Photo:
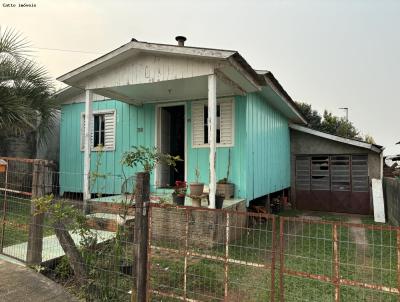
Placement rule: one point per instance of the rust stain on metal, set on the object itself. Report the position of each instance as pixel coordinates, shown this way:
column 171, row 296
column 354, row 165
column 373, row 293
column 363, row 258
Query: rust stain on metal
column 336, row 275
column 273, row 261
column 398, row 259
column 186, row 255
column 149, row 233
column 282, row 260
column 345, row 224
column 210, row 257
column 226, row 258
column 370, row 286
column 308, row 275
column 3, row 222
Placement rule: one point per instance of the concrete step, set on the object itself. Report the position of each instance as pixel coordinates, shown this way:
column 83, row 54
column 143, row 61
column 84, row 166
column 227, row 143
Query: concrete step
column 108, row 221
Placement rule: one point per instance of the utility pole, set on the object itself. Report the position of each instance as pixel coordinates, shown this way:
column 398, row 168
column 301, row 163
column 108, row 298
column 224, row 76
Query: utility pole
column 347, row 112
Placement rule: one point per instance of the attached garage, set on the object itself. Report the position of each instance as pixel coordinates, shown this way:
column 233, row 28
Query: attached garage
column 331, row 173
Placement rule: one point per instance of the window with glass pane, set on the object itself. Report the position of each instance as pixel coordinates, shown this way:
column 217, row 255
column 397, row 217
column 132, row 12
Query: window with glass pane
column 206, row 124
column 98, row 139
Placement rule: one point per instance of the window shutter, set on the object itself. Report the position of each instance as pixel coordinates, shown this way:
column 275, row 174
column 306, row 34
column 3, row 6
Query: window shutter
column 226, row 123
column 109, row 128
column 197, row 124
column 83, row 132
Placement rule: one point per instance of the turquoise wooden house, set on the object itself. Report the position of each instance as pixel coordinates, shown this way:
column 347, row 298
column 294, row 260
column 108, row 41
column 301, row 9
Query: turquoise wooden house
column 207, row 105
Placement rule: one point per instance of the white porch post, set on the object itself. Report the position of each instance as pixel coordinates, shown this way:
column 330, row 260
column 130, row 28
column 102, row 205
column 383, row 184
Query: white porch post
column 212, row 133
column 87, row 150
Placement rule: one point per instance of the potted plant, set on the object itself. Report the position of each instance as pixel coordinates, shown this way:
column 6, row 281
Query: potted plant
column 196, row 188
column 219, row 200
column 224, row 187
column 179, row 194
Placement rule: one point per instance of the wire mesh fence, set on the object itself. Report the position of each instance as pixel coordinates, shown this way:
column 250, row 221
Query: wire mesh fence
column 210, row 255
column 194, row 253
column 338, row 261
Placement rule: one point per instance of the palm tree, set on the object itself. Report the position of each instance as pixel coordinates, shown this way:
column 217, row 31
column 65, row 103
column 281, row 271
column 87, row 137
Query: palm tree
column 26, row 103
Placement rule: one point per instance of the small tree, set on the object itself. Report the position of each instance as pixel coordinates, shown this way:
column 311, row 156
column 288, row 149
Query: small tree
column 26, row 102
column 147, row 158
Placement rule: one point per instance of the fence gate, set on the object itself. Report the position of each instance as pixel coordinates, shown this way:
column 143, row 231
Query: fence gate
column 199, row 254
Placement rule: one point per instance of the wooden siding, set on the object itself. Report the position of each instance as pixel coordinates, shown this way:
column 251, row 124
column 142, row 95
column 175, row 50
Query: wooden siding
column 199, row 157
column 134, row 126
column 267, row 148
column 146, row 68
column 128, row 119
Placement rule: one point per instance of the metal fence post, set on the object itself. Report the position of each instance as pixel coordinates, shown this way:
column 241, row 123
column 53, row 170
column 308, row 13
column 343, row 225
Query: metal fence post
column 226, row 288
column 3, row 218
column 35, row 239
column 336, row 274
column 281, row 258
column 273, row 243
column 142, row 197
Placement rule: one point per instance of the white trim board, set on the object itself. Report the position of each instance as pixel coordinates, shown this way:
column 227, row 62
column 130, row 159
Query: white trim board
column 378, row 202
column 336, row 138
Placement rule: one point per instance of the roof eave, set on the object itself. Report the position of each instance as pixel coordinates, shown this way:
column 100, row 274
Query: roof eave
column 277, row 87
column 107, row 59
column 356, row 143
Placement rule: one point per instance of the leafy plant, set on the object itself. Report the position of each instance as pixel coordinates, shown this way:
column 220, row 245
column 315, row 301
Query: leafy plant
column 180, row 188
column 26, row 91
column 148, row 158
column 97, row 175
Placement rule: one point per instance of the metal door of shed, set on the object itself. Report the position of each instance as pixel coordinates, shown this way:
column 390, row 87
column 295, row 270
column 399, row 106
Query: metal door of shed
column 333, row 183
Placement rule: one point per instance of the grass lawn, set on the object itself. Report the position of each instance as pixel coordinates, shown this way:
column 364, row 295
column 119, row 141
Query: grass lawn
column 308, row 249
column 17, row 220
column 365, row 255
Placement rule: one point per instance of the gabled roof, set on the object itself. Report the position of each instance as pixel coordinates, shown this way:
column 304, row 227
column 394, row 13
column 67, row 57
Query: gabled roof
column 353, row 142
column 257, row 80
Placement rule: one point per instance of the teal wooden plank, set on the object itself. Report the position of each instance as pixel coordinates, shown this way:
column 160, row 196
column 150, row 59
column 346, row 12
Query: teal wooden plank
column 268, row 152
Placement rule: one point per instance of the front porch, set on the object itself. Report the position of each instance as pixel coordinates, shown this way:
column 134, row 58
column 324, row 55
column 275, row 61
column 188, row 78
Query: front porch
column 164, row 196
column 161, row 78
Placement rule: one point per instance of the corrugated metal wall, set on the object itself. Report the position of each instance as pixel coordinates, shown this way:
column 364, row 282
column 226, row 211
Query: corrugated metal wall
column 268, row 148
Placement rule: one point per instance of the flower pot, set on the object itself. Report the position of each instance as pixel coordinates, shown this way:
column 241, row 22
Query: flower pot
column 219, row 201
column 178, row 199
column 226, row 189
column 196, row 202
column 196, row 189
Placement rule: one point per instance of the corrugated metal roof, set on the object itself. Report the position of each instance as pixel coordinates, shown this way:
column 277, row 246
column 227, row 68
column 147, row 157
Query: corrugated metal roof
column 373, row 147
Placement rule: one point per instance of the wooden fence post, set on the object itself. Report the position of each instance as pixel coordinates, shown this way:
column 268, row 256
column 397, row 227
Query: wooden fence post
column 35, row 239
column 142, row 197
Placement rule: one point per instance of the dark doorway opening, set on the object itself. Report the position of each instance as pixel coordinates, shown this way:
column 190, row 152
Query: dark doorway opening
column 172, row 141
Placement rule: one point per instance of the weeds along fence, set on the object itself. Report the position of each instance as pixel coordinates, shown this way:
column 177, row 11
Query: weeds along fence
column 125, row 246
column 391, row 191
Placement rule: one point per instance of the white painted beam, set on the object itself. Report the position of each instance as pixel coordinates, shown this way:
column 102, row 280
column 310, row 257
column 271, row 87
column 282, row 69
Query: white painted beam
column 87, row 150
column 212, row 134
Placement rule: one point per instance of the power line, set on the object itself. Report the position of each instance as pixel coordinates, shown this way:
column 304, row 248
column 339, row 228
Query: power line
column 68, row 50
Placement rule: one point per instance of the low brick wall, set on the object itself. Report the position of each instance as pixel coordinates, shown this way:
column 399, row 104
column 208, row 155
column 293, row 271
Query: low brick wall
column 205, row 229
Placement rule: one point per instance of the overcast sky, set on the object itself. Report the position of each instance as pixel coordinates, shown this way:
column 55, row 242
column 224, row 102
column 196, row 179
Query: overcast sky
column 328, row 53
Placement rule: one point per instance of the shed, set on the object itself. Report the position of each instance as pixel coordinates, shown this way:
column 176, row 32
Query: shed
column 332, row 173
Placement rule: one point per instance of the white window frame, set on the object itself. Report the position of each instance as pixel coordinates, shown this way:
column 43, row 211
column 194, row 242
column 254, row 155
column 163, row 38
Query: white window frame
column 219, row 145
column 82, row 130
